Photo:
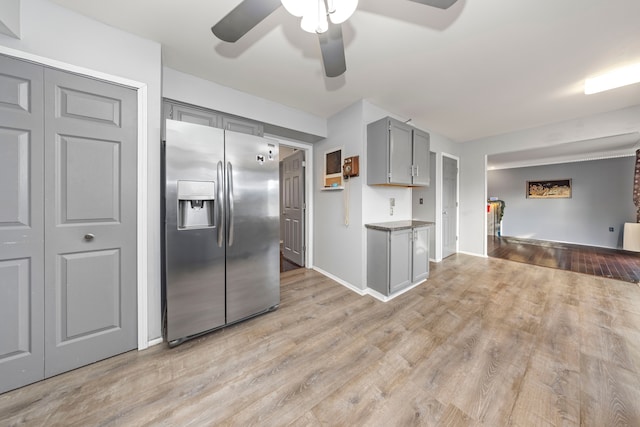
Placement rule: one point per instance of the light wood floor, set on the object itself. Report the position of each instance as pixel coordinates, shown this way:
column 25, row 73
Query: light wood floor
column 483, row 342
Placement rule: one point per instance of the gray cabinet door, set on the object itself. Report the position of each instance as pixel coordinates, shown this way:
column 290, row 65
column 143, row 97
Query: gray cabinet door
column 21, row 224
column 399, row 260
column 90, row 222
column 420, row 158
column 400, row 153
column 293, row 207
column 237, row 124
column 198, row 116
column 420, row 255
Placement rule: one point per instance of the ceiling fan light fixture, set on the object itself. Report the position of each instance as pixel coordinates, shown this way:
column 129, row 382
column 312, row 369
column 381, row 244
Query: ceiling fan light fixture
column 297, row 7
column 341, row 10
column 314, row 13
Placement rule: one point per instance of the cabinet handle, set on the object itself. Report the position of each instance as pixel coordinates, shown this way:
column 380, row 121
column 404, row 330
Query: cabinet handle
column 89, row 236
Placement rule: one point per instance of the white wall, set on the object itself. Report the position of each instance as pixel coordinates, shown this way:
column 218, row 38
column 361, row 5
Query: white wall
column 341, row 250
column 338, row 246
column 193, row 90
column 473, row 162
column 52, row 32
column 10, row 18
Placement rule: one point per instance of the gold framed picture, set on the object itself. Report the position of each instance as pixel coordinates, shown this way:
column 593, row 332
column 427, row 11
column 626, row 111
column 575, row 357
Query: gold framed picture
column 549, row 189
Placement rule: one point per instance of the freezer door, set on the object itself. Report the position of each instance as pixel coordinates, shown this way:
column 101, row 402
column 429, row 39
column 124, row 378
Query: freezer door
column 253, row 225
column 194, row 229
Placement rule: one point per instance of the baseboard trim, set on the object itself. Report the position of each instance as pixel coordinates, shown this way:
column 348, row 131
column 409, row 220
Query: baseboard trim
column 367, row 291
column 473, row 254
column 155, row 341
column 346, row 284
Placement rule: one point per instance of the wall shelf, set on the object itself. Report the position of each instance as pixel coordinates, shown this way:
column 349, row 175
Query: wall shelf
column 332, row 188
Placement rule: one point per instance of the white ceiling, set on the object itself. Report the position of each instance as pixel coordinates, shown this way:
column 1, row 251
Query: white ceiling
column 480, row 68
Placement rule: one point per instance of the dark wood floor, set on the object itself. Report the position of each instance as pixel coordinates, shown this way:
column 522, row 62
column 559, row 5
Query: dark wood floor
column 286, row 265
column 484, row 342
column 601, row 262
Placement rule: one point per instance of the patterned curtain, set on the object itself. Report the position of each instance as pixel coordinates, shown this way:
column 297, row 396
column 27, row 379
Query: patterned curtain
column 636, row 186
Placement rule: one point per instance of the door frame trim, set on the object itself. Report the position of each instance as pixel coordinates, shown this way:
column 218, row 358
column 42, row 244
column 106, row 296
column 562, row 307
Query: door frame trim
column 142, row 174
column 439, row 212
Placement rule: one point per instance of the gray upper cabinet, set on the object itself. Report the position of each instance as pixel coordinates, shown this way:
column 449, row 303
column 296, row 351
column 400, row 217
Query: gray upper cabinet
column 397, row 154
column 237, row 124
column 198, row 116
column 201, row 116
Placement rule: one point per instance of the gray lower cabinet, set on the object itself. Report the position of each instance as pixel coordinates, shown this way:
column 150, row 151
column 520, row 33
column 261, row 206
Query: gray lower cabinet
column 397, row 259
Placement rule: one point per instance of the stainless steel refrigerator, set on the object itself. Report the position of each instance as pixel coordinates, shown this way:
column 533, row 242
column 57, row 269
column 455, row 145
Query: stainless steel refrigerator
column 221, row 252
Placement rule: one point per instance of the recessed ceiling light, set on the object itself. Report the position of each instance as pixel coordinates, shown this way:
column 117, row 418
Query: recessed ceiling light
column 617, row 78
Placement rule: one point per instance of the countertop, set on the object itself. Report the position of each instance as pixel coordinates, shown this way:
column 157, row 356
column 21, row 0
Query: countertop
column 399, row 225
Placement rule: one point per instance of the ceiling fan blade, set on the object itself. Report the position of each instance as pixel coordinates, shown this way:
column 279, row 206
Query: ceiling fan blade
column 243, row 18
column 441, row 4
column 332, row 48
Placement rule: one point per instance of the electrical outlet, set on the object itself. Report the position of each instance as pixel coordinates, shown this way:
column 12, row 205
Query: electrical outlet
column 392, row 203
column 611, row 229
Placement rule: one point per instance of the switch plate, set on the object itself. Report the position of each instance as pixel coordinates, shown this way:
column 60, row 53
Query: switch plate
column 421, row 200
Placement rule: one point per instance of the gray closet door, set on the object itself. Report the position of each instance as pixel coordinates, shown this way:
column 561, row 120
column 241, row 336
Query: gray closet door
column 21, row 224
column 90, row 222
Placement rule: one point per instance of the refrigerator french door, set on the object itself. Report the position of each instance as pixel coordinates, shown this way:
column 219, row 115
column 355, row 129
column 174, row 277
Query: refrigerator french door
column 221, row 228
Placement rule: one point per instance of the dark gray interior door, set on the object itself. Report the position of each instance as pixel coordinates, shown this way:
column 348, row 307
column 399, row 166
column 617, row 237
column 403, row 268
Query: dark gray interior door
column 90, row 221
column 21, row 224
column 293, row 207
column 449, row 206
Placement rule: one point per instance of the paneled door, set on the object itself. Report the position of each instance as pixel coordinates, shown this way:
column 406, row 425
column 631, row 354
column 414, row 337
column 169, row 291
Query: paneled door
column 21, row 224
column 449, row 206
column 90, row 223
column 293, row 207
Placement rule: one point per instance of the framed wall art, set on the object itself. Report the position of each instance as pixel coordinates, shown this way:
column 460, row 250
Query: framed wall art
column 549, row 189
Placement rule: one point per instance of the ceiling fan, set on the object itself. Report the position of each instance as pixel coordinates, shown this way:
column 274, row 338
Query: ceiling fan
column 323, row 17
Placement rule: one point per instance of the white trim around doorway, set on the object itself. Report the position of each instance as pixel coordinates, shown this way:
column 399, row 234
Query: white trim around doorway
column 308, row 178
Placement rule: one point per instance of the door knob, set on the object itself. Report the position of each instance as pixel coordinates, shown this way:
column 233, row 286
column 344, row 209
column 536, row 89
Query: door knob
column 89, row 236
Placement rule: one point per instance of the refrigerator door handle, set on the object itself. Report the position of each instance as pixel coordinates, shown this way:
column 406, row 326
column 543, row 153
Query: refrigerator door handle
column 230, row 201
column 220, row 202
